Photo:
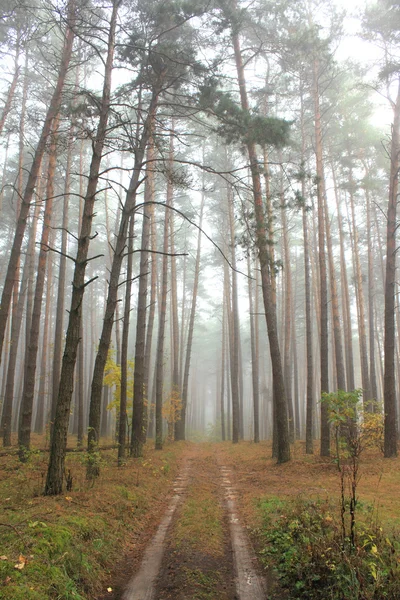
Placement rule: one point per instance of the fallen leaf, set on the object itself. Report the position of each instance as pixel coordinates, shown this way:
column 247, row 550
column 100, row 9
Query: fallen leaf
column 3, row 557
column 68, row 498
column 109, row 589
column 21, row 563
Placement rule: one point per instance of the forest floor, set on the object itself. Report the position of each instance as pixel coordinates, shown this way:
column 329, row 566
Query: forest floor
column 90, row 542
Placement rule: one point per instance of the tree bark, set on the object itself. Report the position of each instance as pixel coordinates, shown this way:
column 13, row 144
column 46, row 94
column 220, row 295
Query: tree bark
column 25, row 420
column 34, row 172
column 283, row 450
column 389, row 391
column 55, row 473
column 324, row 352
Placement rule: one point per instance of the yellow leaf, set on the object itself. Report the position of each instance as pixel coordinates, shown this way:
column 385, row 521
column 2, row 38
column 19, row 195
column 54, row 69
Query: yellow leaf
column 21, row 563
column 68, row 498
column 109, row 589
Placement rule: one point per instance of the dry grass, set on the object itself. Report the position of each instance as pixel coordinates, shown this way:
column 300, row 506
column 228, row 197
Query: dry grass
column 258, row 476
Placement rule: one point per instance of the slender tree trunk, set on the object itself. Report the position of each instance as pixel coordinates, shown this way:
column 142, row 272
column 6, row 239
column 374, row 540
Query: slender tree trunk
column 43, row 378
column 222, row 381
column 139, row 374
column 347, row 327
column 55, row 473
column 185, row 386
column 324, row 352
column 361, row 305
column 287, row 320
column 122, row 421
column 59, row 322
column 12, row 88
column 283, row 450
column 34, row 172
column 234, row 348
column 254, row 359
column 161, row 337
column 337, row 333
column 25, row 420
column 15, row 335
column 389, row 392
column 371, row 293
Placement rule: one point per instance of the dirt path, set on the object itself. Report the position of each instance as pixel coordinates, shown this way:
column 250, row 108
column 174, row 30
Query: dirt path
column 200, row 550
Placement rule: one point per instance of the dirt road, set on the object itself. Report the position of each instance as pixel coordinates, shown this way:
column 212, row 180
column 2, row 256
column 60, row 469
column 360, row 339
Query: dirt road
column 200, row 550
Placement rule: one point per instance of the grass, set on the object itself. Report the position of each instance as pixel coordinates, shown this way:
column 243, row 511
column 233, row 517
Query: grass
column 66, row 547
column 293, row 511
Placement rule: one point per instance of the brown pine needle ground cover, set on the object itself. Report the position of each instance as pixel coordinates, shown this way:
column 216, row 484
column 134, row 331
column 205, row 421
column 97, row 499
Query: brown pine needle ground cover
column 294, row 514
column 68, row 547
column 310, row 476
column 198, row 557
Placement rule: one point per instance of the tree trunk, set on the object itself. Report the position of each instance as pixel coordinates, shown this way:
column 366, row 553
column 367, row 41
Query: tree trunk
column 254, row 359
column 283, row 450
column 234, row 347
column 389, row 392
column 361, row 305
column 13, row 85
column 139, row 374
column 324, row 352
column 337, row 330
column 347, row 322
column 15, row 334
column 122, row 421
column 34, row 172
column 25, row 420
column 185, row 386
column 59, row 320
column 55, row 473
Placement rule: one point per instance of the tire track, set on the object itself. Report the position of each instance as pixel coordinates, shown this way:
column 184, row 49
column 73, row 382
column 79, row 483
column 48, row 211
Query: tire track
column 142, row 584
column 249, row 585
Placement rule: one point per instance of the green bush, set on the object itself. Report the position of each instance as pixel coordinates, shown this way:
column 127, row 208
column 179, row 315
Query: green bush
column 303, row 544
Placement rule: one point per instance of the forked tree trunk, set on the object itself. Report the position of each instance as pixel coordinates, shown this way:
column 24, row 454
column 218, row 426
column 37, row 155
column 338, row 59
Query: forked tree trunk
column 185, row 386
column 55, row 473
column 283, row 449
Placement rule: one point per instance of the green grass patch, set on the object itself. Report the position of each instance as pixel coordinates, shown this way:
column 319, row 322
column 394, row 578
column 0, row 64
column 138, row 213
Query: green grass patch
column 205, row 585
column 66, row 547
column 200, row 521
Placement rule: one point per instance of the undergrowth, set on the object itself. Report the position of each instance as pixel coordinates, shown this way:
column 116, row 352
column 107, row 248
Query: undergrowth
column 67, row 547
column 302, row 543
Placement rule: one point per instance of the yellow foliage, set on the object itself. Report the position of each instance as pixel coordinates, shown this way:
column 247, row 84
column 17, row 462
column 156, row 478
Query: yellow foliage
column 171, row 410
column 372, row 429
column 112, row 379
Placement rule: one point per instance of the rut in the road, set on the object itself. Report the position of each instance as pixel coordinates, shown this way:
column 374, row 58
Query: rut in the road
column 200, row 549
